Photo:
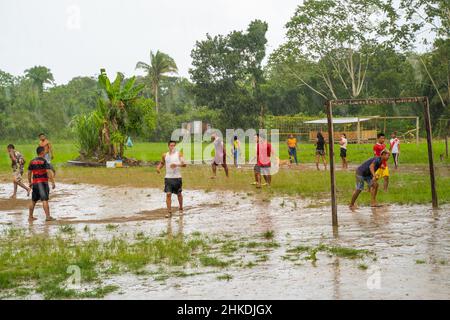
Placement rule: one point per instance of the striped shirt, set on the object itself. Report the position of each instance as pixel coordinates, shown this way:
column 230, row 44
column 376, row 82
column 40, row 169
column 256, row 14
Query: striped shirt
column 39, row 166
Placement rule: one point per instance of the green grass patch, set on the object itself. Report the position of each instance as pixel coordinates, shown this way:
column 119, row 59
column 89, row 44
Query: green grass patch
column 44, row 261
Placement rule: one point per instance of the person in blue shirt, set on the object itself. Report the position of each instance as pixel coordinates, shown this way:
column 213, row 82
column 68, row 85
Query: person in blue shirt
column 366, row 173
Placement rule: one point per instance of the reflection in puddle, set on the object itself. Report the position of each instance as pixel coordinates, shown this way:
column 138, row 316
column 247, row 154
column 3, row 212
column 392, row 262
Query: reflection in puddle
column 399, row 235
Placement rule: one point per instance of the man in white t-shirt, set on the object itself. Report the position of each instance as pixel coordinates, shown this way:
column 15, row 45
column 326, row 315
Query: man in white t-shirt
column 343, row 142
column 395, row 148
column 173, row 161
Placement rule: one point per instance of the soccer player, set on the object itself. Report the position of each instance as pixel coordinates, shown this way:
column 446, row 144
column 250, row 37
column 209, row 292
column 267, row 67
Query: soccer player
column 263, row 153
column 173, row 183
column 320, row 150
column 292, row 148
column 383, row 171
column 343, row 142
column 17, row 164
column 366, row 172
column 395, row 148
column 41, row 172
column 220, row 156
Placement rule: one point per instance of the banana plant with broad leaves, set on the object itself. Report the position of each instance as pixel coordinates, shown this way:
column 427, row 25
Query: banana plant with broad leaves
column 118, row 98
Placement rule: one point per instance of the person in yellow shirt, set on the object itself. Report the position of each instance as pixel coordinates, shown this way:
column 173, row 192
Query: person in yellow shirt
column 292, row 148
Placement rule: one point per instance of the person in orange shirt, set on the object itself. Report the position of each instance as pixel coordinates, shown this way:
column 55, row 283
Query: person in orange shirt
column 292, row 148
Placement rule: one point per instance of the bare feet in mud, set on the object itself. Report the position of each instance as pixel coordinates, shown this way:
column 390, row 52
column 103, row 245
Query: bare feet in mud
column 50, row 218
column 353, row 207
column 31, row 219
column 169, row 214
column 13, row 197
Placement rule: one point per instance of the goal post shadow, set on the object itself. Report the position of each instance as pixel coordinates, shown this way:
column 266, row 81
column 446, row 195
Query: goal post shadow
column 329, row 104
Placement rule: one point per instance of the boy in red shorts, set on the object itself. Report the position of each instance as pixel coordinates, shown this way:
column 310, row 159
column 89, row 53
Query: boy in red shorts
column 383, row 171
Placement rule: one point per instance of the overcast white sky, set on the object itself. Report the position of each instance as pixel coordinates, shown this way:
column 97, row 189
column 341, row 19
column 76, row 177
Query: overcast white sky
column 78, row 37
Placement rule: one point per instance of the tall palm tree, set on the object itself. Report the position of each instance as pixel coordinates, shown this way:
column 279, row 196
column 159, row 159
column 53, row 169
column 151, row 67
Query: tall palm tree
column 40, row 75
column 160, row 64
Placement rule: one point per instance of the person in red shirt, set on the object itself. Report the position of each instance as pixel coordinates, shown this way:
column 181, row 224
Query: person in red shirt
column 383, row 171
column 263, row 153
column 39, row 174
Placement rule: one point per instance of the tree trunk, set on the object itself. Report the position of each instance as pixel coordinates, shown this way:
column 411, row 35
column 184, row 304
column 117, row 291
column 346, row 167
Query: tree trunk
column 156, row 98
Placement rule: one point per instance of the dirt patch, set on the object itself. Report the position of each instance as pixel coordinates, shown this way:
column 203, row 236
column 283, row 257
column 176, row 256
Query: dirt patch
column 13, row 204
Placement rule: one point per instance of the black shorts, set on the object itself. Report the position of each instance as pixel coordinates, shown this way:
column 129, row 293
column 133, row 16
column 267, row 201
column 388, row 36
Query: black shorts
column 343, row 153
column 320, row 152
column 173, row 185
column 41, row 191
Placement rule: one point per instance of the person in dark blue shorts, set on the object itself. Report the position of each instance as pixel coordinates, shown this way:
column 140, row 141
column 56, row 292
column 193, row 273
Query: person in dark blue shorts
column 366, row 173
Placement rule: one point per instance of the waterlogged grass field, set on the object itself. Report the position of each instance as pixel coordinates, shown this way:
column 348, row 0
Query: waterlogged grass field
column 37, row 265
column 152, row 151
column 45, row 260
column 408, row 185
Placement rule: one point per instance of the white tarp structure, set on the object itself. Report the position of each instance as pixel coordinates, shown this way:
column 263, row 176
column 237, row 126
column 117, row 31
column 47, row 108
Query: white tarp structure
column 339, row 120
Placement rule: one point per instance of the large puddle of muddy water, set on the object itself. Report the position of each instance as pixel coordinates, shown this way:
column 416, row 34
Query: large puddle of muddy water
column 411, row 243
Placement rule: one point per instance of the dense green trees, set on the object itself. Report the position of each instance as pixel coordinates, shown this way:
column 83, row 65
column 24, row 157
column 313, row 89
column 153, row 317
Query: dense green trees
column 333, row 49
column 227, row 72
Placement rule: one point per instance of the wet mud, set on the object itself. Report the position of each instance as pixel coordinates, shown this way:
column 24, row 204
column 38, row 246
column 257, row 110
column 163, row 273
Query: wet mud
column 411, row 243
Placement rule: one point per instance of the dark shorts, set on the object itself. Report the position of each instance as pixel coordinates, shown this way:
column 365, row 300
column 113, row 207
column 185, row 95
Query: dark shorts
column 264, row 170
column 173, row 185
column 320, row 152
column 343, row 153
column 41, row 191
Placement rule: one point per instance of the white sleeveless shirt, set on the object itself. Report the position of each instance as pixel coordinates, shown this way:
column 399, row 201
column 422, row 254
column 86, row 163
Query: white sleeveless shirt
column 173, row 173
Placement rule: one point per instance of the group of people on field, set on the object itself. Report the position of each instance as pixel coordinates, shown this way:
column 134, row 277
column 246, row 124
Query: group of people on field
column 40, row 172
column 369, row 172
column 173, row 160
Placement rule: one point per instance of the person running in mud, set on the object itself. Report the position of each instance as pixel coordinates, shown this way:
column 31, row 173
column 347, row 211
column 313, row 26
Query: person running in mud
column 173, row 183
column 394, row 148
column 366, row 172
column 17, row 164
column 41, row 172
column 383, row 171
column 236, row 149
column 220, row 156
column 343, row 143
column 292, row 148
column 320, row 150
column 263, row 153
